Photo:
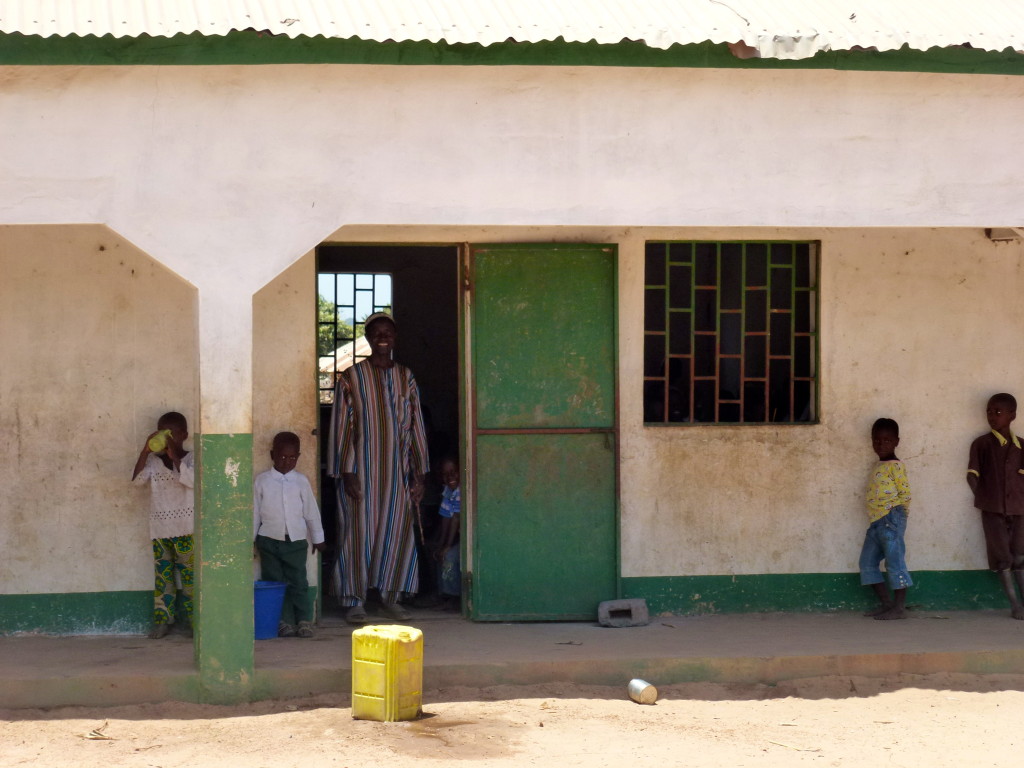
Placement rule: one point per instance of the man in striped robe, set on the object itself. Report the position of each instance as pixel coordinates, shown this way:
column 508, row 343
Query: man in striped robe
column 378, row 448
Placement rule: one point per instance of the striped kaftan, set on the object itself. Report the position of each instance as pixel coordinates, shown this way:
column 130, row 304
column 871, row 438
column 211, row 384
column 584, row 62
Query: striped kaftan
column 376, row 433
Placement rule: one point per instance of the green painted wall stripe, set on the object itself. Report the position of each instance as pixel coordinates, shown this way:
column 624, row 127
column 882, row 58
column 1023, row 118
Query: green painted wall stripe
column 225, row 638
column 77, row 613
column 932, row 590
column 81, row 613
column 128, row 612
column 249, row 47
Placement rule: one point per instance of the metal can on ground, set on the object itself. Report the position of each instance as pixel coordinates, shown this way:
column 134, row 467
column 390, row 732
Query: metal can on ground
column 642, row 692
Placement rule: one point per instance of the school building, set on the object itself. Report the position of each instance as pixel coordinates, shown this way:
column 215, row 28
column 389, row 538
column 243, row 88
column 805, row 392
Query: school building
column 657, row 269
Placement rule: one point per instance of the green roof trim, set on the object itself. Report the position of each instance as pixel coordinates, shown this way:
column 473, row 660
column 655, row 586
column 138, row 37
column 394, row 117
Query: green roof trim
column 251, row 47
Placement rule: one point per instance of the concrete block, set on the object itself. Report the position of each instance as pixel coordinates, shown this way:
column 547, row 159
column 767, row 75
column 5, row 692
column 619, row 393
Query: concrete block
column 623, row 613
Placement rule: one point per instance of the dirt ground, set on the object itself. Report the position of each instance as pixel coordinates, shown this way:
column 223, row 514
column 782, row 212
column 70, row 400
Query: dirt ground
column 937, row 720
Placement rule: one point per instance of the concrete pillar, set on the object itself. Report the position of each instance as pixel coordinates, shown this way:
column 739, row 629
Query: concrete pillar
column 224, row 633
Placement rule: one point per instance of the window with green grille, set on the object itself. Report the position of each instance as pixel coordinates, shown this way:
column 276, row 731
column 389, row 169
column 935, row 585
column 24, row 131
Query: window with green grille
column 344, row 300
column 730, row 332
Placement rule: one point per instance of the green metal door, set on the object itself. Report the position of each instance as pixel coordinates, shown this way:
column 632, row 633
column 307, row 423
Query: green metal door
column 544, row 528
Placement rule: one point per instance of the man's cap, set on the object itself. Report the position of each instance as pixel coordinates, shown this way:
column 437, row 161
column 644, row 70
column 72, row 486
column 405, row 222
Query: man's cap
column 374, row 318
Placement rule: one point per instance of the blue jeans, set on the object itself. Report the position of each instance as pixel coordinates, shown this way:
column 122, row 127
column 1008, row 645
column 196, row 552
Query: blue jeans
column 450, row 578
column 884, row 541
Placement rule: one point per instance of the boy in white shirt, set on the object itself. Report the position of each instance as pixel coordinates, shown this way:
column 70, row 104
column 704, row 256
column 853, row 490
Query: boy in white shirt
column 170, row 472
column 285, row 512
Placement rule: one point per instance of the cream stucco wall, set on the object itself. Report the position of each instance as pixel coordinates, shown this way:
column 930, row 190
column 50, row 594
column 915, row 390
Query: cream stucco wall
column 284, row 370
column 916, row 324
column 920, row 325
column 96, row 341
column 229, row 176
column 284, row 364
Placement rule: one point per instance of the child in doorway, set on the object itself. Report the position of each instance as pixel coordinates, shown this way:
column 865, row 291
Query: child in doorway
column 170, row 471
column 446, row 550
column 996, row 477
column 888, row 505
column 285, row 512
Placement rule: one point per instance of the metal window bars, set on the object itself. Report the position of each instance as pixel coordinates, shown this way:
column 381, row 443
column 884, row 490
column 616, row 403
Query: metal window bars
column 730, row 332
column 343, row 297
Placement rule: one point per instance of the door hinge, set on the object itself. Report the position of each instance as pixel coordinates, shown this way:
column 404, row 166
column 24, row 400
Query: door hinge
column 467, row 278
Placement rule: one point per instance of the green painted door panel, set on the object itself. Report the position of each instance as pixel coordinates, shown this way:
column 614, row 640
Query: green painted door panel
column 542, row 335
column 545, row 510
column 545, row 517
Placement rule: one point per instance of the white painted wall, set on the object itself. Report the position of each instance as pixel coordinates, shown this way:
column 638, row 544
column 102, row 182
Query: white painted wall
column 229, row 175
column 96, row 341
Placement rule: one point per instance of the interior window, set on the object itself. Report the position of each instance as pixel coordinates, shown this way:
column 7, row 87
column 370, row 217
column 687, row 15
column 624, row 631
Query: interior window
column 344, row 300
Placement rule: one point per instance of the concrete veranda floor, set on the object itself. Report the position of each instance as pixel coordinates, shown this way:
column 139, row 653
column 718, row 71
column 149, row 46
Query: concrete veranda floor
column 44, row 671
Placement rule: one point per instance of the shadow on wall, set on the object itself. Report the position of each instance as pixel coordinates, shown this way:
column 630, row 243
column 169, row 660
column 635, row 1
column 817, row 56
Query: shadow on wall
column 98, row 339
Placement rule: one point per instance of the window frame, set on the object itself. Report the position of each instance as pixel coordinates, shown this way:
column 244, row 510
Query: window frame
column 327, row 372
column 678, row 343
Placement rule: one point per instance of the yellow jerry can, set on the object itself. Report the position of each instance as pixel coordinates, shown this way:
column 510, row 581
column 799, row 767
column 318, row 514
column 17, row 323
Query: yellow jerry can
column 387, row 673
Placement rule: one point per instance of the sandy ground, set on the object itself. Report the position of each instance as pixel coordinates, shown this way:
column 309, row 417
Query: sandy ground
column 938, row 720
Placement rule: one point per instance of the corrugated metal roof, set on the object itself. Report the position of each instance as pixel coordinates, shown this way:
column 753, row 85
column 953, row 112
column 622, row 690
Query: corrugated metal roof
column 784, row 29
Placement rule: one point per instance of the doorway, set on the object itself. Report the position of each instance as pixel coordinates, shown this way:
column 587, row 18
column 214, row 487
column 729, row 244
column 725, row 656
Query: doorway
column 418, row 285
column 540, row 449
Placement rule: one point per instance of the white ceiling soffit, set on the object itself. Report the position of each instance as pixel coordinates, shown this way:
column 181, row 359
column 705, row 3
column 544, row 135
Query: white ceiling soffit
column 781, row 29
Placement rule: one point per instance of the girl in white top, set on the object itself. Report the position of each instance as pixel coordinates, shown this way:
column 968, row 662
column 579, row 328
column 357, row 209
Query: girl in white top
column 170, row 473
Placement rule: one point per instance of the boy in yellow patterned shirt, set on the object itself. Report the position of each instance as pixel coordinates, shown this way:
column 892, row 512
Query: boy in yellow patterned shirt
column 888, row 505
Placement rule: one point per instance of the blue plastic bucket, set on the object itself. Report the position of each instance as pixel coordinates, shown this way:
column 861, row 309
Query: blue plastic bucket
column 268, row 597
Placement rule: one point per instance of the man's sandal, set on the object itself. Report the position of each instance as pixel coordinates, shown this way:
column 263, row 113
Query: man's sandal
column 356, row 615
column 396, row 612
